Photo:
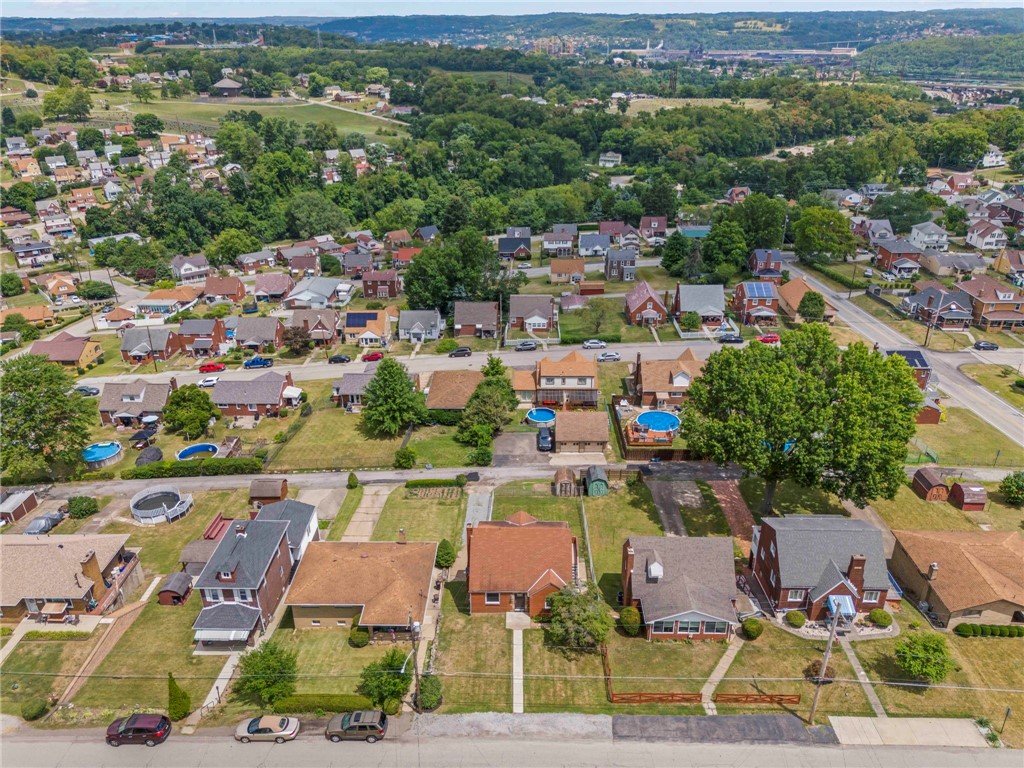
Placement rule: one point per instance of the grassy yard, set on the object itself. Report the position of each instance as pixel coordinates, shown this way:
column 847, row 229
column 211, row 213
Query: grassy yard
column 534, row 497
column 940, row 341
column 327, row 663
column 348, row 508
column 40, row 668
column 708, row 520
column 474, row 656
column 659, row 279
column 556, row 681
column 27, row 299
column 965, row 439
column 422, row 519
column 333, row 439
column 574, row 325
column 611, row 379
column 790, row 499
column 437, row 446
column 998, row 379
column 909, row 511
column 660, row 667
column 653, row 105
column 980, row 663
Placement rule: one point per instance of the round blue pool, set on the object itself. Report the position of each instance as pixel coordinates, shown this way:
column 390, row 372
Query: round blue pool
column 98, row 455
column 197, row 451
column 658, row 421
column 540, row 417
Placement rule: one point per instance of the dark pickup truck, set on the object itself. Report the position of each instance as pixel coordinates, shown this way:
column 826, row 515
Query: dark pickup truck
column 258, row 362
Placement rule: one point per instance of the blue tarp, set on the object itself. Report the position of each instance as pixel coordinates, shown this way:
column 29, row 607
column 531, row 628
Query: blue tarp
column 841, row 604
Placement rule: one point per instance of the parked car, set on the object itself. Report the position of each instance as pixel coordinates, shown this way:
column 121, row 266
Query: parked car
column 609, row 357
column 730, row 338
column 523, row 265
column 208, row 382
column 139, row 729
column 267, row 728
column 76, row 300
column 370, row 725
column 869, row 272
column 986, row 346
column 595, row 344
column 526, row 346
column 370, row 357
column 45, row 523
column 889, row 277
column 460, row 352
column 211, row 367
column 87, row 391
column 107, row 309
column 338, row 359
column 258, row 362
column 768, row 338
column 545, row 442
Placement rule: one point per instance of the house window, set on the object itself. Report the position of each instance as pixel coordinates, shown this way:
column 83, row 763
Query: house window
column 716, row 627
column 314, row 622
column 243, row 595
column 280, row 571
column 341, row 623
column 492, row 598
column 213, row 595
column 970, row 614
column 771, row 578
column 581, row 382
column 663, row 627
column 225, row 574
column 549, row 380
column 689, row 627
column 252, row 408
column 547, row 603
column 797, row 595
column 771, row 548
column 872, row 595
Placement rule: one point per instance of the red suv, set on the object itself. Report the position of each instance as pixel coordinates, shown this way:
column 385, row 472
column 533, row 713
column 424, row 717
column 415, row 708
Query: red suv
column 769, row 338
column 139, row 729
column 369, row 357
column 211, row 367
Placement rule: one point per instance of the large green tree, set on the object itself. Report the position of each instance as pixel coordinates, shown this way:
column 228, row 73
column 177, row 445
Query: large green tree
column 763, row 220
column 806, row 413
column 492, row 404
column 189, row 410
column 580, row 619
column 147, row 125
column 44, row 428
column 391, row 403
column 823, row 234
column 229, row 245
column 11, row 285
column 812, row 306
column 925, row 657
column 725, row 244
column 387, row 678
column 310, row 213
column 266, row 674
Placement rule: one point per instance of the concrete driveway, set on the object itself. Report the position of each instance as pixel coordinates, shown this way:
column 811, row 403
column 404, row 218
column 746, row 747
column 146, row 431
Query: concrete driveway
column 516, row 449
column 326, row 500
column 366, row 516
column 669, row 495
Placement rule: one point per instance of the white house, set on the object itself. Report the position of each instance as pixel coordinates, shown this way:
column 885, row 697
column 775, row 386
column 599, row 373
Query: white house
column 929, row 235
column 609, row 159
column 418, row 325
column 986, row 236
column 993, row 158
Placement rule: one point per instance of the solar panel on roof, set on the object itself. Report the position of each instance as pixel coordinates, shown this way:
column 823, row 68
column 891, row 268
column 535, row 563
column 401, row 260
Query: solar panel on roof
column 359, row 319
column 758, row 290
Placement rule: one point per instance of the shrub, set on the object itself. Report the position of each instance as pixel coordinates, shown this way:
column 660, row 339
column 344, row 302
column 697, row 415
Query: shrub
column 813, row 671
column 359, row 637
column 306, row 410
column 375, row 305
column 352, row 482
column 1004, row 631
column 444, row 346
column 986, row 630
column 391, row 707
column 1012, row 487
column 446, row 554
column 964, row 630
column 33, row 709
column 481, row 456
column 461, row 480
column 405, row 458
column 752, row 628
column 431, row 482
column 179, row 703
column 194, row 468
column 301, row 703
column 283, row 413
column 81, row 371
column 444, row 418
column 80, row 507
column 430, row 692
column 844, row 280
column 880, row 617
column 629, row 617
column 796, row 619
column 60, row 635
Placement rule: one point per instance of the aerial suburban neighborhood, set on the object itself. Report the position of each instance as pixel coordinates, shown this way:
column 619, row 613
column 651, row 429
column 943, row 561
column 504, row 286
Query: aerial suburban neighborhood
column 449, row 386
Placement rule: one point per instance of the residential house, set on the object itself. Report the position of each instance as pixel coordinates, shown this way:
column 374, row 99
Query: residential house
column 1014, row 210
column 68, row 349
column 33, row 253
column 609, row 159
column 792, row 293
column 918, row 363
column 993, row 157
column 665, row 383
column 226, row 87
column 736, row 195
column 756, row 303
column 986, row 236
column 94, row 241
column 567, row 383
column 935, row 305
column 35, row 315
column 19, row 235
column 891, row 252
column 705, row 301
column 14, row 505
column 766, row 264
column 250, row 263
column 62, row 177
column 13, row 217
column 272, row 286
column 243, row 583
column 147, row 343
column 451, row 390
column 318, row 293
column 419, row 325
column 322, row 324
column 99, row 172
column 356, row 262
column 348, row 391
column 79, row 573
column 1011, row 264
column 519, row 232
column 654, row 227
column 263, row 396
column 59, row 285
column 203, row 337
column 683, row 586
column 962, row 576
column 961, row 182
column 25, row 168
column 581, row 431
column 371, row 328
column 403, row 257
column 223, row 289
column 127, row 404
column 382, row 284
column 518, row 563
column 397, row 238
column 994, row 305
column 629, row 237
column 82, row 199
column 49, row 207
column 800, row 561
column 956, row 264
column 844, row 198
column 190, row 269
column 533, row 314
column 555, row 244
column 592, row 244
column 611, row 228
column 928, row 234
column 644, row 307
column 871, row 192
column 382, row 586
column 169, row 301
column 426, row 234
column 572, row 230
column 476, row 318
column 565, row 271
column 59, row 225
column 620, row 264
column 258, row 333
column 303, row 524
column 514, row 248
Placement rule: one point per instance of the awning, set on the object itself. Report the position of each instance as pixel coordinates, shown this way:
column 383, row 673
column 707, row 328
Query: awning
column 841, row 604
column 202, row 344
column 291, row 393
column 54, row 609
column 223, row 636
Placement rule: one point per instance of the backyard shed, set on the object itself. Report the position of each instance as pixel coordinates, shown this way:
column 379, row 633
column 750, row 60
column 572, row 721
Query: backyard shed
column 176, row 589
column 970, row 497
column 564, row 483
column 267, row 490
column 596, row 480
column 929, row 485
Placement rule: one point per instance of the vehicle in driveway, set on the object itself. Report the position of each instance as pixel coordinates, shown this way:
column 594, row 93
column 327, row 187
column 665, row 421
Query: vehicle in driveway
column 267, row 728
column 338, row 359
column 370, row 357
column 45, row 523
column 595, row 344
column 258, row 362
column 76, row 300
column 730, row 338
column 107, row 309
column 524, row 265
column 768, row 338
column 526, row 346
column 370, row 725
column 986, row 346
column 212, row 367
column 461, row 352
column 208, row 382
column 139, row 729
column 609, row 357
column 869, row 272
column 87, row 391
column 545, row 442
column 889, row 277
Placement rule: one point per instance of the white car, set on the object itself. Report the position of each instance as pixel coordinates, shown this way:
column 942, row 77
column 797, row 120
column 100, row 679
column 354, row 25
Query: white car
column 889, row 277
column 524, row 265
column 609, row 357
column 869, row 273
column 209, row 381
column 76, row 300
column 594, row 344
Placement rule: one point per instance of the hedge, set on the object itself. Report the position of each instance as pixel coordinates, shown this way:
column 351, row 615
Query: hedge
column 430, row 692
column 64, row 634
column 433, row 482
column 444, row 418
column 33, row 709
column 988, row 630
column 880, row 617
column 303, row 703
column 796, row 619
column 571, row 337
column 844, row 280
column 193, row 468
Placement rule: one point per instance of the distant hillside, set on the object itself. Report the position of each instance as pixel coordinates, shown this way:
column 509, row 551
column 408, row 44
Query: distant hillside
column 999, row 56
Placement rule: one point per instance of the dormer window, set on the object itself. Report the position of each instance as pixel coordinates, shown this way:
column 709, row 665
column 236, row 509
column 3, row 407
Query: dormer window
column 225, row 575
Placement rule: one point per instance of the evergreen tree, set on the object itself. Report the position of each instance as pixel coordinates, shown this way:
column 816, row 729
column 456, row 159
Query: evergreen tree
column 179, row 703
column 391, row 403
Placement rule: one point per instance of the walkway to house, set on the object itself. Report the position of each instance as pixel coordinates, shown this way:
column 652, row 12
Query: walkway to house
column 517, row 622
column 657, row 338
column 721, row 668
column 869, row 690
column 360, row 527
column 736, row 511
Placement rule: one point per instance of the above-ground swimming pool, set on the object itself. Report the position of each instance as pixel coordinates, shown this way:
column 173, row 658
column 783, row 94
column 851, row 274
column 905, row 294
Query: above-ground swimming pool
column 160, row 504
column 658, row 421
column 540, row 417
column 104, row 454
column 197, row 451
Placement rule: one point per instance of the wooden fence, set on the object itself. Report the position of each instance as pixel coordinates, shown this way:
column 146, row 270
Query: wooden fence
column 756, row 698
column 645, row 453
column 655, row 698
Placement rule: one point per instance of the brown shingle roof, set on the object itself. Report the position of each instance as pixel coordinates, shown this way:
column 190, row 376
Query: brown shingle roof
column 222, row 286
column 62, row 348
column 523, row 381
column 389, row 580
column 31, row 314
column 573, row 364
column 567, row 266
column 51, row 565
column 581, row 426
column 657, row 375
column 451, row 390
column 520, row 554
column 482, row 313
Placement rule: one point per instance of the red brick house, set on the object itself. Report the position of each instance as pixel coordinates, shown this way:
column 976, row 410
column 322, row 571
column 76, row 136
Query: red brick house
column 644, row 307
column 994, row 305
column 736, row 195
column 476, row 318
column 800, row 561
column 263, row 396
column 82, row 199
column 918, row 364
column 230, row 288
column 653, row 226
column 611, row 228
column 144, row 344
column 382, row 284
column 891, row 252
column 518, row 563
column 321, row 324
column 766, row 264
column 756, row 303
column 203, row 337
column 403, row 257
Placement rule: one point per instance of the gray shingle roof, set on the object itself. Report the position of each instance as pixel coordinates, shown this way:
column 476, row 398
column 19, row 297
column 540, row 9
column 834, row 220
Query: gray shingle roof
column 427, row 318
column 482, row 313
column 197, row 327
column 227, row 616
column 810, row 545
column 295, row 513
column 256, row 330
column 352, row 383
column 137, row 340
column 263, row 390
column 178, row 582
column 154, row 397
column 595, row 241
column 246, row 556
column 701, row 298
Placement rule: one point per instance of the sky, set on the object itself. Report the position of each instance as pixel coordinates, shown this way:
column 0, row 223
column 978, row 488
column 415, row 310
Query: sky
column 247, row 8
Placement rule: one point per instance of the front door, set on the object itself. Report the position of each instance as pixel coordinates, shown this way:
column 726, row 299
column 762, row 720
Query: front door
column 520, row 602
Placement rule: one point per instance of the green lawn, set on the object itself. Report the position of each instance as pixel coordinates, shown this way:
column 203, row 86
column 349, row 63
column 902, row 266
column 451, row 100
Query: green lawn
column 27, row 299
column 909, row 511
column 708, row 520
column 610, row 379
column 534, row 497
column 41, row 668
column 661, row 666
column 790, row 499
column 112, row 364
column 998, row 379
column 940, row 341
column 348, row 508
column 423, row 519
column 437, row 446
column 574, row 325
column 965, row 439
column 659, row 279
column 333, row 439
column 327, row 663
column 555, row 681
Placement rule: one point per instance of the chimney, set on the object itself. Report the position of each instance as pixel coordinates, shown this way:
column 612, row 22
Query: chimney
column 240, row 531
column 933, row 571
column 91, row 571
column 174, row 384
column 401, row 536
column 855, row 573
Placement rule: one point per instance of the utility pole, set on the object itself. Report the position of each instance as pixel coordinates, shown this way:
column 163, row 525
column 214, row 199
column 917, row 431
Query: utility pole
column 824, row 665
column 414, row 630
column 152, row 352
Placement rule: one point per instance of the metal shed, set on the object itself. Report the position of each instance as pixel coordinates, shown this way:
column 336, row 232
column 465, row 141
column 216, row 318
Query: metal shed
column 596, row 480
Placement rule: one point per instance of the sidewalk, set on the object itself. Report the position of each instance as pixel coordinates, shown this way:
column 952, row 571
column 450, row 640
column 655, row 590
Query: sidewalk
column 360, row 527
column 517, row 622
column 869, row 690
column 720, row 670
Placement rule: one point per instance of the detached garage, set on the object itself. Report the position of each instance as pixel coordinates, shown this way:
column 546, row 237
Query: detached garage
column 581, row 432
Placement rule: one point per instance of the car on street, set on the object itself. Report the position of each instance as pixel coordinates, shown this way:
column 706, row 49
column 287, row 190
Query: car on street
column 595, row 344
column 460, row 352
column 768, row 338
column 258, row 362
column 107, row 309
column 523, row 265
column 139, row 728
column 609, row 357
column 526, row 346
column 208, row 382
column 45, row 523
column 369, row 725
column 76, row 300
column 986, row 346
column 370, row 357
column 338, row 359
column 730, row 338
column 212, row 367
column 267, row 728
column 87, row 391
column 545, row 442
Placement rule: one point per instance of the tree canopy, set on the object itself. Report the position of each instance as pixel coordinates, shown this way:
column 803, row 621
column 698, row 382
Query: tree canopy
column 189, row 410
column 580, row 619
column 823, row 234
column 266, row 674
column 391, row 402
